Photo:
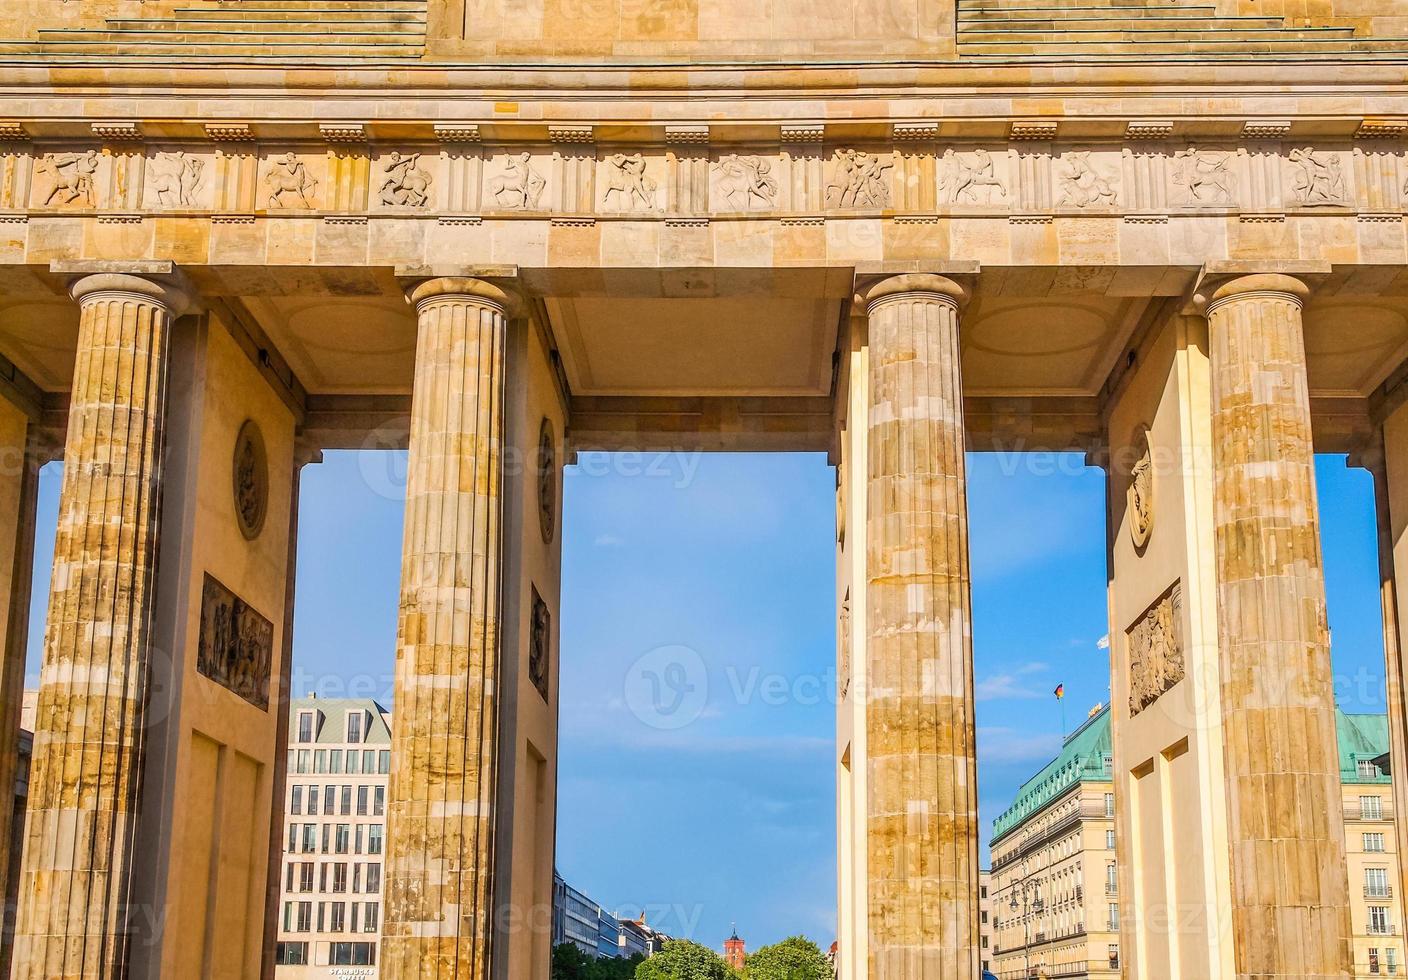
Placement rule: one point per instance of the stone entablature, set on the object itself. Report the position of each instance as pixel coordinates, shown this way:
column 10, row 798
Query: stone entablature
column 456, row 172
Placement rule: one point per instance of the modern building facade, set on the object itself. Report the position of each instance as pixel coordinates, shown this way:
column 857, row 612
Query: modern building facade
column 986, row 936
column 1057, row 843
column 578, row 920
column 334, row 843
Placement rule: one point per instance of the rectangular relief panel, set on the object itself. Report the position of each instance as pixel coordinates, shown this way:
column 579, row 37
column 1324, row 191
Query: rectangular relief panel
column 236, row 644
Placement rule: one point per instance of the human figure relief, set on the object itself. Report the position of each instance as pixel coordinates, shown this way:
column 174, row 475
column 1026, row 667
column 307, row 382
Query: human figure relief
column 745, row 182
column 1081, row 184
column 969, row 182
column 519, row 187
column 290, row 176
column 406, row 183
column 70, row 177
column 627, row 180
column 1317, row 180
column 858, row 181
column 1204, row 175
column 178, row 179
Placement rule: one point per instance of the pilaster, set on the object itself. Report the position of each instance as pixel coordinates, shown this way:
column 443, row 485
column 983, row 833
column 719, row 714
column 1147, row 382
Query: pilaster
column 922, row 790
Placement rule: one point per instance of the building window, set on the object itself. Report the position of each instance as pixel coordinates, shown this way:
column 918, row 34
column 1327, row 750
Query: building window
column 1374, row 843
column 1391, row 959
column 383, row 761
column 1373, row 960
column 327, row 838
column 310, row 838
column 378, row 800
column 347, row 801
column 368, row 761
column 354, row 727
column 304, row 921
column 1367, row 769
column 305, row 877
column 1371, row 808
column 1376, row 883
column 369, row 917
column 1378, row 920
column 337, row 917
column 352, row 758
column 344, row 835
column 295, row 803
column 302, row 765
column 1114, row 917
column 1109, row 804
column 335, row 761
column 320, row 760
column 352, row 954
column 339, row 877
column 329, row 800
column 1110, row 839
column 305, row 727
column 373, row 878
column 291, row 954
column 374, row 839
column 312, row 800
column 362, row 800
column 1114, row 952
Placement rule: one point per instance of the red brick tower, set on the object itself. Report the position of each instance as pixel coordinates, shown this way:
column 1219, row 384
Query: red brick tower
column 734, row 953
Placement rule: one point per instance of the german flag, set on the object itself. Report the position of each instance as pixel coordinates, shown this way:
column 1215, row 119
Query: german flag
column 1060, row 691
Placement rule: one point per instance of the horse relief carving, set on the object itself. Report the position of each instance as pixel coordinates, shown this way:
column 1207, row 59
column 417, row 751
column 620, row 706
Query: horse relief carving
column 68, row 177
column 519, row 187
column 407, row 184
column 745, row 183
column 858, row 180
column 177, row 179
column 289, row 175
column 969, row 180
column 1204, row 175
column 1082, row 185
column 1318, row 178
column 628, row 187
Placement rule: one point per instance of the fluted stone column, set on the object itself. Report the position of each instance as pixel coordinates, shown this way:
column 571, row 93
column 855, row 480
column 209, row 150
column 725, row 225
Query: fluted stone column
column 923, row 802
column 1285, row 824
column 440, row 846
column 88, row 742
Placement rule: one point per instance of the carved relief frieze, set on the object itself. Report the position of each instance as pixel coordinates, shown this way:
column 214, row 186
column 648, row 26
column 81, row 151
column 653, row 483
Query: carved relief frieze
column 236, row 644
column 1156, row 652
column 405, row 182
column 67, row 179
column 518, row 185
column 1085, row 184
column 1204, row 178
column 540, row 644
column 177, row 179
column 970, row 178
column 289, row 183
column 860, row 180
column 626, row 184
column 744, row 183
column 1317, row 177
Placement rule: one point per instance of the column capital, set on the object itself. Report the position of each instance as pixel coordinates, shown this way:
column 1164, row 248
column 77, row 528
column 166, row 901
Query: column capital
column 914, row 285
column 171, row 293
column 1279, row 284
column 462, row 289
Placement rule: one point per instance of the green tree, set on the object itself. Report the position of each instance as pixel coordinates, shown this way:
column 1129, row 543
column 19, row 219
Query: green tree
column 795, row 958
column 615, row 967
column 680, row 959
column 570, row 963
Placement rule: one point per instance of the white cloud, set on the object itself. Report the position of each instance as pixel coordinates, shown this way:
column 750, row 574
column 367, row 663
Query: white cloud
column 1009, row 683
column 607, row 541
column 1103, row 643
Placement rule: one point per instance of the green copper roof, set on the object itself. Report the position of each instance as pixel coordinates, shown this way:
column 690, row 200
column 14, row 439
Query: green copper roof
column 1362, row 738
column 1082, row 759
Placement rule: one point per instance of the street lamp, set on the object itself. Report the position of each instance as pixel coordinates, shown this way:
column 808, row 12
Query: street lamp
column 1031, row 905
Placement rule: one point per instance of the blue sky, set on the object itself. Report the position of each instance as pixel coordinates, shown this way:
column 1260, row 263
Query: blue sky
column 724, row 565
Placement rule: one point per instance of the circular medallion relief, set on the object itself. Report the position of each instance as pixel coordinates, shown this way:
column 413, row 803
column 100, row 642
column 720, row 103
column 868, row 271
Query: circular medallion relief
column 251, row 480
column 1140, row 495
column 547, row 480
